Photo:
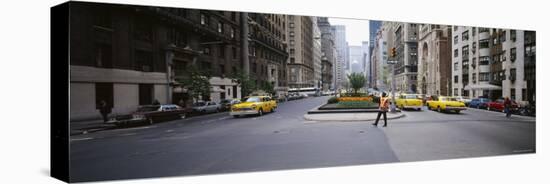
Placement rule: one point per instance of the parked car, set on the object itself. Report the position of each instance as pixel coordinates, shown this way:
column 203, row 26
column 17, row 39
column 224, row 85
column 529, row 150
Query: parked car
column 498, row 105
column 480, row 103
column 226, row 104
column 466, row 101
column 445, row 103
column 408, row 101
column 254, row 105
column 527, row 110
column 151, row 114
column 206, row 107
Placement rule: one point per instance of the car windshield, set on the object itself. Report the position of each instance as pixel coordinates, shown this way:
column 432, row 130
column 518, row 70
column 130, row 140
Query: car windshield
column 411, row 97
column 253, row 99
column 447, row 99
column 199, row 104
column 148, row 109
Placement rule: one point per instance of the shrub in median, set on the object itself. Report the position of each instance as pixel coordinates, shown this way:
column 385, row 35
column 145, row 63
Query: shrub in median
column 332, row 100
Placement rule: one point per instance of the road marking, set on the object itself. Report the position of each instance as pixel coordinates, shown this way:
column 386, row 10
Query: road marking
column 82, row 139
column 167, row 131
column 127, row 134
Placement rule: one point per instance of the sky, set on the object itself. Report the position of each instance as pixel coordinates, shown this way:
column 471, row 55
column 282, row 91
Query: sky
column 356, row 30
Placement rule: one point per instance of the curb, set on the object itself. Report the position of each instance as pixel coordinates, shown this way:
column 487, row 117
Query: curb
column 370, row 119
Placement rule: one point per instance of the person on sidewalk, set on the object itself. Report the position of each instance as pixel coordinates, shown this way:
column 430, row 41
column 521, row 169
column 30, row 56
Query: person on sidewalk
column 507, row 105
column 383, row 108
column 105, row 110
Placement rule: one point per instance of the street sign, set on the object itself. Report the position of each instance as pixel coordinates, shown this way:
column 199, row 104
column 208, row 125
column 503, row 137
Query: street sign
column 392, row 62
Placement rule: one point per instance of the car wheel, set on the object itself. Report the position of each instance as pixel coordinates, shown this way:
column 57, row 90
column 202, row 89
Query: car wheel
column 183, row 116
column 457, row 111
column 150, row 121
column 428, row 106
column 438, row 109
column 488, row 108
column 260, row 112
column 236, row 116
column 217, row 110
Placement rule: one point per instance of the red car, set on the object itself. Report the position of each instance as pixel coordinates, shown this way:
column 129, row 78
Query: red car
column 151, row 114
column 498, row 105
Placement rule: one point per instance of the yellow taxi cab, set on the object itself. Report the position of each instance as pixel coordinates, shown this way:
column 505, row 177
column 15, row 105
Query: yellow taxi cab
column 445, row 103
column 253, row 105
column 408, row 101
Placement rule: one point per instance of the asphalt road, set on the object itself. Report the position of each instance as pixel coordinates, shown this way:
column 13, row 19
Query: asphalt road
column 218, row 143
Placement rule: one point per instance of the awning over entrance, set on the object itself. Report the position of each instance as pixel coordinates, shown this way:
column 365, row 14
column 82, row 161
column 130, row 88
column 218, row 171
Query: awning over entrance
column 482, row 87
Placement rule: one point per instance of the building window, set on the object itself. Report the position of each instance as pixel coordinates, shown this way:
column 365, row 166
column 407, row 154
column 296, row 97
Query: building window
column 523, row 94
column 465, row 53
column 473, row 31
column 222, row 69
column 455, row 28
column 234, row 91
column 513, row 35
column 456, row 53
column 205, row 65
column 456, row 66
column 143, row 60
column 456, row 78
column 455, row 92
column 291, row 24
column 474, row 47
column 178, row 37
column 292, row 42
column 530, row 50
column 512, row 93
column 145, row 94
column 512, row 74
column 292, row 51
column 465, row 93
column 502, row 36
column 292, row 60
column 483, row 30
column 234, row 52
column 474, row 78
column 232, row 33
column 456, row 39
column 513, row 54
column 143, row 31
column 104, row 92
column 221, row 52
column 206, row 50
column 220, row 27
column 465, row 36
column 204, row 19
column 484, row 60
column 233, row 16
column 484, row 43
column 484, row 76
column 291, row 34
column 103, row 55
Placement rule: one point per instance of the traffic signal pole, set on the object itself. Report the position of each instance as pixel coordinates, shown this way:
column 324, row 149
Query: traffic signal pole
column 393, row 53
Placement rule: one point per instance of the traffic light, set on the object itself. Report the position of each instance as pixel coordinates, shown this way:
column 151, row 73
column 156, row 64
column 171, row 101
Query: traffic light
column 393, row 52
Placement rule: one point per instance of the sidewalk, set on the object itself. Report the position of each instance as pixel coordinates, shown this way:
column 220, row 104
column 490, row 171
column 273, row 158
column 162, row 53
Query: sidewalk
column 84, row 127
column 350, row 116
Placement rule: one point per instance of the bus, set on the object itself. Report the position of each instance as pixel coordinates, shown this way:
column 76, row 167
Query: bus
column 308, row 91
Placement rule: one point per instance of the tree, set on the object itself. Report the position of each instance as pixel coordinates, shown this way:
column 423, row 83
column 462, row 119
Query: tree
column 357, row 81
column 243, row 80
column 197, row 83
column 268, row 87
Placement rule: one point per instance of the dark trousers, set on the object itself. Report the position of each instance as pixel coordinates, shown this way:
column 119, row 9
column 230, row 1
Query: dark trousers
column 105, row 115
column 378, row 118
column 508, row 112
